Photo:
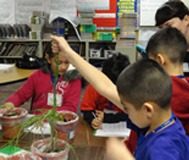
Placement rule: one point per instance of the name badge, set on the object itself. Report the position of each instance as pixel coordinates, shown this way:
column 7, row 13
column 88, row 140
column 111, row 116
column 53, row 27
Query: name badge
column 50, row 100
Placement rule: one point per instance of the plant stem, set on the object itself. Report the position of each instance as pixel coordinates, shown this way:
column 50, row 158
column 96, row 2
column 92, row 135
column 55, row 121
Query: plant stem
column 54, row 104
column 56, row 79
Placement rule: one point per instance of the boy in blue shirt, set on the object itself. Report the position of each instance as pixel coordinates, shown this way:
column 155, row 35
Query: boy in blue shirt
column 143, row 91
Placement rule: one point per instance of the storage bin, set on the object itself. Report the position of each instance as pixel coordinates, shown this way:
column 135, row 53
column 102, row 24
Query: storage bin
column 91, row 28
column 103, row 36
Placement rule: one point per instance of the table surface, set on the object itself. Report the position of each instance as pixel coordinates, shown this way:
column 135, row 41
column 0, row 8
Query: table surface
column 14, row 74
column 86, row 146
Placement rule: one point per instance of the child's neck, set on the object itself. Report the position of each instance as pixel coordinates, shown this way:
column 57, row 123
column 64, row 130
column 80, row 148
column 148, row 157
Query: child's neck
column 159, row 119
column 175, row 70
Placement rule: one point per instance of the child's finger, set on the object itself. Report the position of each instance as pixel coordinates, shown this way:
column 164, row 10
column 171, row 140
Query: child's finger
column 100, row 119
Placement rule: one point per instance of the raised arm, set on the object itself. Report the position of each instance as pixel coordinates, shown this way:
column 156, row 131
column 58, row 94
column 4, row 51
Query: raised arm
column 95, row 77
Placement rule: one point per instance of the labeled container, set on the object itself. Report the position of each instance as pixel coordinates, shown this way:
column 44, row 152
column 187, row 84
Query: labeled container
column 65, row 129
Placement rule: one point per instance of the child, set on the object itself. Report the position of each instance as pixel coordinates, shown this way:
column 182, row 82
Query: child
column 94, row 103
column 144, row 92
column 168, row 47
column 175, row 14
column 40, row 86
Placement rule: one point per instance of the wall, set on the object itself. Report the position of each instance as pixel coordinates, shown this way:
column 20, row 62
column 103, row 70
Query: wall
column 186, row 2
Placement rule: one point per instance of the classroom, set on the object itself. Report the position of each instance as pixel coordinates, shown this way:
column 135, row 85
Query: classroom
column 98, row 80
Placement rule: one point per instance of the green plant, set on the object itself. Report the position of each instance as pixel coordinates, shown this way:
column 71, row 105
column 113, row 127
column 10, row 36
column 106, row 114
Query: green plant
column 38, row 120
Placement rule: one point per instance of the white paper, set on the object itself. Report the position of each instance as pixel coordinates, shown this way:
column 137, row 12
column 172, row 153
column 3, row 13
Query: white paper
column 24, row 9
column 68, row 8
column 45, row 129
column 147, row 11
column 93, row 4
column 7, row 11
column 6, row 67
column 113, row 130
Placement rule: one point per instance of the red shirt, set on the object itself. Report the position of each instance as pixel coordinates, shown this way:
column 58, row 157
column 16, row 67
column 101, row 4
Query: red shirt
column 92, row 100
column 39, row 84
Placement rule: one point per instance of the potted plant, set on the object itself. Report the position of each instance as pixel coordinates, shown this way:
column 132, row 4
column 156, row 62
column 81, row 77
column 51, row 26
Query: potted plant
column 10, row 120
column 51, row 149
column 44, row 147
column 65, row 125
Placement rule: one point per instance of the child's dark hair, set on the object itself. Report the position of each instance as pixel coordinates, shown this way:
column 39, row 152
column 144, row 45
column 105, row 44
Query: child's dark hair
column 168, row 41
column 45, row 66
column 113, row 66
column 145, row 81
column 170, row 10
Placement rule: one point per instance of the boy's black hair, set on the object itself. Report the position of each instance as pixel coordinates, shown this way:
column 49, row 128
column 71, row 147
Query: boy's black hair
column 170, row 10
column 169, row 41
column 145, row 81
column 113, row 66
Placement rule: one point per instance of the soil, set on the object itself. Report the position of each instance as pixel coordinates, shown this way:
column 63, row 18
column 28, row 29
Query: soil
column 11, row 113
column 50, row 150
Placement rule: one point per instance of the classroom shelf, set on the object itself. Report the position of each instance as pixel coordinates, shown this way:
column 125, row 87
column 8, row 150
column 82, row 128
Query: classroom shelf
column 82, row 47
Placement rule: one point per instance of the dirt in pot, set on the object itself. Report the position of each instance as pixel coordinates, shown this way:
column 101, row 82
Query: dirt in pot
column 52, row 147
column 64, row 117
column 11, row 113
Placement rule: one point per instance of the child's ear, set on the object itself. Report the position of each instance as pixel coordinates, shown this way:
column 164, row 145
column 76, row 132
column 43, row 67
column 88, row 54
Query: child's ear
column 161, row 59
column 47, row 58
column 149, row 109
column 186, row 18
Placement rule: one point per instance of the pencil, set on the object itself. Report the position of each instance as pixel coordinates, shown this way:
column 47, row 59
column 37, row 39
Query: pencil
column 94, row 115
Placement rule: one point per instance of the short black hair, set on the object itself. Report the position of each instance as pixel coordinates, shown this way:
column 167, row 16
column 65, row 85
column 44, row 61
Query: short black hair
column 113, row 66
column 145, row 81
column 169, row 41
column 170, row 10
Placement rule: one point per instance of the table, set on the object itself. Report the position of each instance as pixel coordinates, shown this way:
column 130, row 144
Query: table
column 14, row 74
column 92, row 150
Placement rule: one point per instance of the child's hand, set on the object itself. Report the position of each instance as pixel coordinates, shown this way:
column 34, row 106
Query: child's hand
column 60, row 44
column 100, row 114
column 116, row 150
column 96, row 123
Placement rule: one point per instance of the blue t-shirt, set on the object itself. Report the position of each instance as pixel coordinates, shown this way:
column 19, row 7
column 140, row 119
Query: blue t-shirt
column 169, row 144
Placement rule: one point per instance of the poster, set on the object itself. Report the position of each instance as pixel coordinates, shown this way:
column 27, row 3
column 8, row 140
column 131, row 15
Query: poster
column 128, row 6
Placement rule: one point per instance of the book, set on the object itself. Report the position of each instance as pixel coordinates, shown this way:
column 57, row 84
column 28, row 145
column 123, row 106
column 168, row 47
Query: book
column 113, row 130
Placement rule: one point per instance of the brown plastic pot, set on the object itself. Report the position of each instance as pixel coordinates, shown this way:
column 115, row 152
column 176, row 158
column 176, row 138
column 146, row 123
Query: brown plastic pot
column 65, row 130
column 9, row 123
column 39, row 146
column 24, row 156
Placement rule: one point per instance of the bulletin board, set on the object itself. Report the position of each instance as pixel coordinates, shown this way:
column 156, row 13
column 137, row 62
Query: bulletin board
column 128, row 6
